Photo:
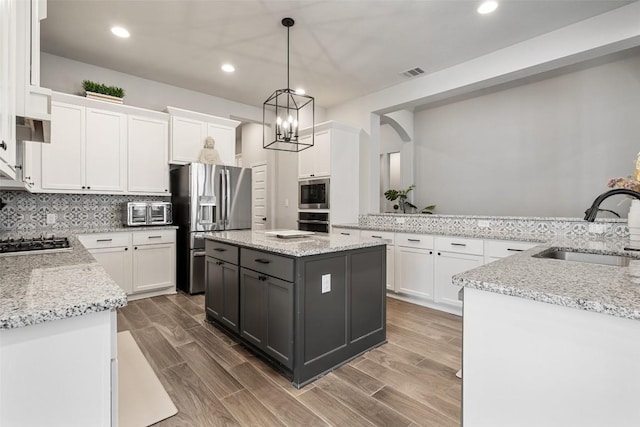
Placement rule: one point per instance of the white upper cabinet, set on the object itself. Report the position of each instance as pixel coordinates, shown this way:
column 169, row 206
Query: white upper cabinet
column 316, row 161
column 190, row 129
column 106, row 151
column 7, row 89
column 148, row 142
column 63, row 161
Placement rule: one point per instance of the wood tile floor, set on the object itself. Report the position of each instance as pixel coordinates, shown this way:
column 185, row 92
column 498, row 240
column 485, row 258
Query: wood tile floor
column 213, row 381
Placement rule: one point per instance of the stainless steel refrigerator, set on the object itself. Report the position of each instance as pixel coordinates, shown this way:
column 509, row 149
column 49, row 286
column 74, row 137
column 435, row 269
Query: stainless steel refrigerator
column 206, row 198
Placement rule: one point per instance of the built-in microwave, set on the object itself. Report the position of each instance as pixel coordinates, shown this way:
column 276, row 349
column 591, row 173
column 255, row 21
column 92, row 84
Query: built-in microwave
column 146, row 213
column 313, row 194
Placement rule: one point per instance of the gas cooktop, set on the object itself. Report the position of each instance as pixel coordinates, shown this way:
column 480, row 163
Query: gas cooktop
column 34, row 245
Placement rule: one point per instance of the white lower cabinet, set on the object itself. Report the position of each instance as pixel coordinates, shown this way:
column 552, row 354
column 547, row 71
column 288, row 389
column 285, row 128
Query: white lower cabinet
column 497, row 249
column 140, row 262
column 414, row 265
column 389, row 238
column 454, row 255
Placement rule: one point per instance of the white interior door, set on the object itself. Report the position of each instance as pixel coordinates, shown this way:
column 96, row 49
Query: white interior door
column 259, row 196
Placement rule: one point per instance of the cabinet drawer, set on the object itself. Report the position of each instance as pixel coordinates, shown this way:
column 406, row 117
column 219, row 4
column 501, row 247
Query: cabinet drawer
column 345, row 231
column 221, row 251
column 105, row 240
column 386, row 235
column 414, row 240
column 460, row 245
column 152, row 237
column 267, row 263
column 504, row 248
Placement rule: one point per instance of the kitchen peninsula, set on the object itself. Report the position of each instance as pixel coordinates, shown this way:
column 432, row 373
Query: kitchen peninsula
column 58, row 356
column 307, row 304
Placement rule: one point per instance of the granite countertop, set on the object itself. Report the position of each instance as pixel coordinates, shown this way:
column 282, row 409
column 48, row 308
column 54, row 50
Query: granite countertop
column 296, row 247
column 37, row 288
column 599, row 288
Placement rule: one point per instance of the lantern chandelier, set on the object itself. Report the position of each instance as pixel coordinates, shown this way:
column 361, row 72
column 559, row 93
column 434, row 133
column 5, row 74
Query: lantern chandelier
column 281, row 114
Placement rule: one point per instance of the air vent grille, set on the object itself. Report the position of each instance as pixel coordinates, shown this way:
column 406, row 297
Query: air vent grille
column 412, row 72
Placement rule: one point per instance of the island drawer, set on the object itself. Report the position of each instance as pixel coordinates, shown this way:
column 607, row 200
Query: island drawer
column 105, row 240
column 221, row 251
column 267, row 263
column 460, row 245
column 387, row 236
column 414, row 240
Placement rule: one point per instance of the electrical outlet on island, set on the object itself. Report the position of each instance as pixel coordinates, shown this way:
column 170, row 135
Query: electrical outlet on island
column 51, row 218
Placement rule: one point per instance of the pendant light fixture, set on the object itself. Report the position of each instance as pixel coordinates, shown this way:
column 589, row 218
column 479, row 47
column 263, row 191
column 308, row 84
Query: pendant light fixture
column 281, row 114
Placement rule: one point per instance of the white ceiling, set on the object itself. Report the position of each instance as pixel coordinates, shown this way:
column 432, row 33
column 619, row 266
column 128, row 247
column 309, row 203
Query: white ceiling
column 339, row 49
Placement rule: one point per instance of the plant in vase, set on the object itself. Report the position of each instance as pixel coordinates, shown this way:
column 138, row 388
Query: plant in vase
column 402, row 205
column 102, row 91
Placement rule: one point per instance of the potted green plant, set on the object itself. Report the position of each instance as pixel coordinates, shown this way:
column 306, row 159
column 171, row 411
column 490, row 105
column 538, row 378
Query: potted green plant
column 103, row 92
column 403, row 203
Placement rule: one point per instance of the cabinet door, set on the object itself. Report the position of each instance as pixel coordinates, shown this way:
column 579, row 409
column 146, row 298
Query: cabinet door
column 448, row 264
column 106, row 150
column 154, row 267
column 322, row 156
column 63, row 164
column 391, row 263
column 7, row 89
column 414, row 271
column 187, row 139
column 306, row 168
column 148, row 150
column 253, row 309
column 118, row 262
column 222, row 292
column 225, row 138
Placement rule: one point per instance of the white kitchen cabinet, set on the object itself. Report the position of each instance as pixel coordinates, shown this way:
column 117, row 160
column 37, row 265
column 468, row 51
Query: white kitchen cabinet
column 389, row 238
column 87, row 150
column 497, row 249
column 63, row 165
column 148, row 145
column 453, row 256
column 189, row 130
column 142, row 262
column 106, row 151
column 7, row 89
column 316, row 161
column 414, row 265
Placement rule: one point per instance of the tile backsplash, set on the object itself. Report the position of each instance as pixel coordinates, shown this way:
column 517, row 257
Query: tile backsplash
column 27, row 213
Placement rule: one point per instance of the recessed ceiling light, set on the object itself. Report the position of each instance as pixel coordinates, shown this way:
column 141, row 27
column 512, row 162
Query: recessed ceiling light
column 228, row 68
column 300, row 91
column 120, row 32
column 487, row 7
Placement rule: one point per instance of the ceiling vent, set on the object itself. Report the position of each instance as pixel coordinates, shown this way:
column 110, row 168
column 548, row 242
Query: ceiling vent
column 412, row 72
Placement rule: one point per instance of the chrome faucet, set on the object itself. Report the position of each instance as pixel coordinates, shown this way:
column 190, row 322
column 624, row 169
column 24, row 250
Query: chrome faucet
column 590, row 214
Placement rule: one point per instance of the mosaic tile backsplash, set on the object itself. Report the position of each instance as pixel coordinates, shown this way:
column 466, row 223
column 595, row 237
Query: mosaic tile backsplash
column 526, row 228
column 27, row 213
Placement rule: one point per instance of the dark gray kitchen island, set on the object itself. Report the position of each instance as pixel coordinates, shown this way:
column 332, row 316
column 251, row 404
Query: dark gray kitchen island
column 307, row 304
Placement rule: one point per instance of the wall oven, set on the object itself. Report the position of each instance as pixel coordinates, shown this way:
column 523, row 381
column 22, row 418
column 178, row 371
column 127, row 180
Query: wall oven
column 313, row 221
column 313, row 194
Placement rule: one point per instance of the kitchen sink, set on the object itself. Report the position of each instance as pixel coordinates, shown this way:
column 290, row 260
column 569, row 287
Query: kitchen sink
column 591, row 258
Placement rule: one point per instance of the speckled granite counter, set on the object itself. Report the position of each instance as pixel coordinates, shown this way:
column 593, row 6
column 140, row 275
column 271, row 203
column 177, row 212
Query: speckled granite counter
column 296, row 247
column 38, row 288
column 599, row 288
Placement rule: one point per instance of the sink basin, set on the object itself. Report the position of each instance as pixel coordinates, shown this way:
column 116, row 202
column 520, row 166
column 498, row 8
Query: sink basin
column 555, row 253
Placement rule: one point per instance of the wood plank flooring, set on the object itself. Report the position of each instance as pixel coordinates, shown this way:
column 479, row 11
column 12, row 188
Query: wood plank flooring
column 410, row 381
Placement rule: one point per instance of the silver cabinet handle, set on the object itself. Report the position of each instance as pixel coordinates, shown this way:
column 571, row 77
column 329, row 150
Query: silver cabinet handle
column 262, row 261
column 458, row 244
column 219, row 249
column 199, row 253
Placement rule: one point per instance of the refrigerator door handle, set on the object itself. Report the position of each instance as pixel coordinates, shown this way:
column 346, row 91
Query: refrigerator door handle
column 222, row 202
column 227, row 202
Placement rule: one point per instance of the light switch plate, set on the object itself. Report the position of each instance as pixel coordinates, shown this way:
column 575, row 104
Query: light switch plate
column 483, row 223
column 400, row 220
column 596, row 228
column 51, row 218
column 326, row 283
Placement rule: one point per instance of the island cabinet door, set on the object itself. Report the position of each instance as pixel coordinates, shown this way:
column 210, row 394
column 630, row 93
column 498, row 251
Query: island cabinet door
column 266, row 307
column 222, row 292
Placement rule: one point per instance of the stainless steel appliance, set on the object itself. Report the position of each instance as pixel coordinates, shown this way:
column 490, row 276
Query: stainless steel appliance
column 146, row 213
column 206, row 198
column 34, row 245
column 313, row 194
column 313, row 221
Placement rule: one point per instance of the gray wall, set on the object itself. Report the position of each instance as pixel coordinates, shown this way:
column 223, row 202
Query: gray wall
column 545, row 148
